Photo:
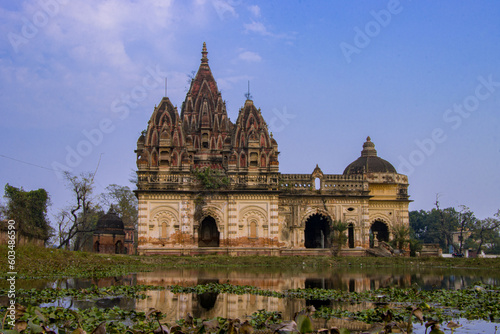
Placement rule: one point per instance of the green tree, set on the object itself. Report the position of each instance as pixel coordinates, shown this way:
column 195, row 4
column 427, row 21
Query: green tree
column 425, row 225
column 485, row 231
column 401, row 237
column 448, row 223
column 436, row 225
column 494, row 247
column 124, row 201
column 29, row 210
column 439, row 225
column 466, row 220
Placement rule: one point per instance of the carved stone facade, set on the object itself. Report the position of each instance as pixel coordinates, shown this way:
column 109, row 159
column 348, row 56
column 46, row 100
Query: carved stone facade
column 206, row 185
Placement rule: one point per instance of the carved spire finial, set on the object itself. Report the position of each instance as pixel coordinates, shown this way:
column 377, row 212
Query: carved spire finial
column 204, row 53
column 368, row 148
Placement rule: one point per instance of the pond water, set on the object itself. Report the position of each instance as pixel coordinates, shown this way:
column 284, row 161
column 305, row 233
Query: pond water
column 210, row 305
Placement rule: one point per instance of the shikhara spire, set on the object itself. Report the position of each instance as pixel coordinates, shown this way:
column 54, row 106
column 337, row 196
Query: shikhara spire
column 202, row 135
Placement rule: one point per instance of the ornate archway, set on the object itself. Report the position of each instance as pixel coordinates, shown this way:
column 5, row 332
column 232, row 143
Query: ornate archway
column 317, row 232
column 379, row 231
column 208, row 234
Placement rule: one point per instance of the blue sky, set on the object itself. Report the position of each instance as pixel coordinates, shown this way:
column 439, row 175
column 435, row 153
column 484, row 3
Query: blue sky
column 79, row 81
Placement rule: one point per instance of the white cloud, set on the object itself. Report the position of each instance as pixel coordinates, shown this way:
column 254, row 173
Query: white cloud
column 256, row 27
column 255, row 10
column 250, row 56
column 88, row 51
column 224, row 8
column 259, row 28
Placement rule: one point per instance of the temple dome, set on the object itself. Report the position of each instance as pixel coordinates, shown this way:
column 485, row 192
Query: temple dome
column 110, row 223
column 369, row 162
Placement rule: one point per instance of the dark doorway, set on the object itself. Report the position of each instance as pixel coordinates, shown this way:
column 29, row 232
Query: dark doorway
column 380, row 231
column 350, row 235
column 118, row 247
column 208, row 235
column 317, row 232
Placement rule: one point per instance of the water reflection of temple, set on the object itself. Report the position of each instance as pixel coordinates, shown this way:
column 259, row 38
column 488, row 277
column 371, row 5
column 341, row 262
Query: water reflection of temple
column 346, row 280
column 209, row 305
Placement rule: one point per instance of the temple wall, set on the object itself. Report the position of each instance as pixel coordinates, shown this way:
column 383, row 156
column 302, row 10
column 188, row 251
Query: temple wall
column 175, row 220
column 260, row 221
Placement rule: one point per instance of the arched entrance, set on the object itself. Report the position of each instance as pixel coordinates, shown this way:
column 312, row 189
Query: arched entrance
column 350, row 235
column 380, row 231
column 118, row 247
column 317, row 232
column 208, row 235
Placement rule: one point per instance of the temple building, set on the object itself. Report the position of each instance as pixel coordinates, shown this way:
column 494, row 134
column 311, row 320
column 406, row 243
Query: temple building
column 112, row 236
column 207, row 185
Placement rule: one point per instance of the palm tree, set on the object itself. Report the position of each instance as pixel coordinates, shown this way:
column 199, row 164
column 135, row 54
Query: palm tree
column 339, row 235
column 401, row 235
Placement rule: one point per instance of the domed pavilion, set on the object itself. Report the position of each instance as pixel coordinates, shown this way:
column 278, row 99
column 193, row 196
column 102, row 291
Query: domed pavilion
column 109, row 234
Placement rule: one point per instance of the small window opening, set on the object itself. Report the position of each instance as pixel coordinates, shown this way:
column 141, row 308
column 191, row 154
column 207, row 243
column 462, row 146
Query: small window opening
column 317, row 183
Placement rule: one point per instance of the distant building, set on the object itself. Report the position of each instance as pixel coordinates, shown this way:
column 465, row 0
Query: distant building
column 111, row 236
column 242, row 204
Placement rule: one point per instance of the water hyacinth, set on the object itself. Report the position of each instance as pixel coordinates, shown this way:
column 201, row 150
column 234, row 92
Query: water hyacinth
column 392, row 307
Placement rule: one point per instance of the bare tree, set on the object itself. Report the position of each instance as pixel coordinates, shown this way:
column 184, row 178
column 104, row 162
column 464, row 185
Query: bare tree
column 75, row 219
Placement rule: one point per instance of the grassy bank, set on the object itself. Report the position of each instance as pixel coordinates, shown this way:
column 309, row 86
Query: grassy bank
column 36, row 262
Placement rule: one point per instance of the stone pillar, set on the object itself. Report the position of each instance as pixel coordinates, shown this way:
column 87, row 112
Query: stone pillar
column 232, row 220
column 142, row 223
column 365, row 226
column 357, row 237
column 274, row 223
column 185, row 224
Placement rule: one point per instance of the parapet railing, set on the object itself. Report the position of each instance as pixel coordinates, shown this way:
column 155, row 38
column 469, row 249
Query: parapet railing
column 329, row 182
column 283, row 182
